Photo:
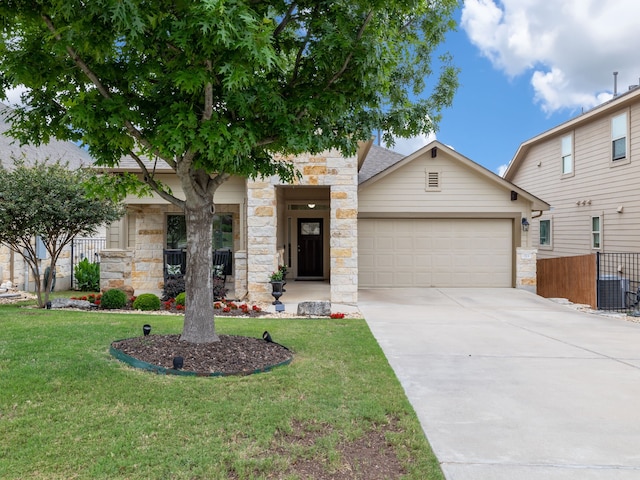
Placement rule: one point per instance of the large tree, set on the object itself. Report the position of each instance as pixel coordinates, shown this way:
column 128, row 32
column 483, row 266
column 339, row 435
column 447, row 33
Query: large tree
column 49, row 201
column 217, row 88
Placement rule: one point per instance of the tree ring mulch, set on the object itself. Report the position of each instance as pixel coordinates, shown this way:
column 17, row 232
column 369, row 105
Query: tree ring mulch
column 232, row 355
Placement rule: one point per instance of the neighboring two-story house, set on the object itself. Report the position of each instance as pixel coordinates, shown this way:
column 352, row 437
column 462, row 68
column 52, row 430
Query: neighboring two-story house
column 377, row 219
column 588, row 170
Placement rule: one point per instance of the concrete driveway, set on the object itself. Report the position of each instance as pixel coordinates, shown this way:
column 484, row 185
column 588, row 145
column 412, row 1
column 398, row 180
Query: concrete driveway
column 511, row 386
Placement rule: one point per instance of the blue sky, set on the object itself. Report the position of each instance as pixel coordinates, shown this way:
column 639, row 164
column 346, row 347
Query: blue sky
column 529, row 65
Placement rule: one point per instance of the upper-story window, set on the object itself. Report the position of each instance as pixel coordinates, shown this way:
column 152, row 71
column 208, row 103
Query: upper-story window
column 619, row 137
column 596, row 232
column 567, row 155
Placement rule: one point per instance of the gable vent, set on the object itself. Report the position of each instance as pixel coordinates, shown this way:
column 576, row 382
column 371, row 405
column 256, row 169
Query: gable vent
column 433, row 181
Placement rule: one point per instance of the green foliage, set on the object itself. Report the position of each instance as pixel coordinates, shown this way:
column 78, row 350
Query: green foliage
column 173, row 286
column 213, row 88
column 87, row 275
column 48, row 200
column 113, row 299
column 181, row 299
column 147, row 301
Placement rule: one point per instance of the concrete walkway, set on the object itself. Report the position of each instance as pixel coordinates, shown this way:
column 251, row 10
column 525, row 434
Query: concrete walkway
column 511, row 386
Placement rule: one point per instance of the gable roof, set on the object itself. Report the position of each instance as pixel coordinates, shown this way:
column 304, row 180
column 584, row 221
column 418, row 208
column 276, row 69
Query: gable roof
column 434, row 146
column 377, row 159
column 621, row 101
column 66, row 152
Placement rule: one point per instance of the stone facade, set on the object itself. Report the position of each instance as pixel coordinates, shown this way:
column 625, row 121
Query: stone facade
column 115, row 269
column 339, row 176
column 526, row 259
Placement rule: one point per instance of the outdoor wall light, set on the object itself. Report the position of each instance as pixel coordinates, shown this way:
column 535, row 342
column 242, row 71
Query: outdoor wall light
column 178, row 363
column 525, row 225
column 311, row 205
column 146, row 329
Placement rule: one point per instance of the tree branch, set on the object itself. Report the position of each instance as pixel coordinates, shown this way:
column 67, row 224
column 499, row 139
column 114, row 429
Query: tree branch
column 104, row 91
column 148, row 178
column 350, row 56
column 285, row 21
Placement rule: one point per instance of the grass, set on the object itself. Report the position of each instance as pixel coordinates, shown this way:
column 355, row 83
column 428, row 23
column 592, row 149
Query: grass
column 69, row 410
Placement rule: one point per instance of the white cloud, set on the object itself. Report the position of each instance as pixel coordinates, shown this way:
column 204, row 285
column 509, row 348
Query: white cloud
column 501, row 169
column 13, row 96
column 407, row 146
column 570, row 49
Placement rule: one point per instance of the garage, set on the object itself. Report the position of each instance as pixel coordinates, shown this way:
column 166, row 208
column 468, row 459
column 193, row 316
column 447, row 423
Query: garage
column 436, row 252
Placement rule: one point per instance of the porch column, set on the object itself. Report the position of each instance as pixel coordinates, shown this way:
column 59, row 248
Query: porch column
column 526, row 268
column 344, row 243
column 261, row 238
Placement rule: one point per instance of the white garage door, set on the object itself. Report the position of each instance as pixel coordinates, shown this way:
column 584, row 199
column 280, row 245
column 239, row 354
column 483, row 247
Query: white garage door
column 435, row 252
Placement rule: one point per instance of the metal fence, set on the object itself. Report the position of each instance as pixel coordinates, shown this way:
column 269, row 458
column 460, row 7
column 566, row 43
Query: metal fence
column 618, row 282
column 88, row 248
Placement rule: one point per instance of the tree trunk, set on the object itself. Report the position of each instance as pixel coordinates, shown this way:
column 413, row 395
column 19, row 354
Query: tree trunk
column 198, row 320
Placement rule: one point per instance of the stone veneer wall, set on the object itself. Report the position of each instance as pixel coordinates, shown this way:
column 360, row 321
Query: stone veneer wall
column 334, row 171
column 63, row 269
column 526, row 269
column 146, row 268
column 115, row 268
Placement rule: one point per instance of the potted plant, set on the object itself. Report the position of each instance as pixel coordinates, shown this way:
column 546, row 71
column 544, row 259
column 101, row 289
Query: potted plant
column 277, row 282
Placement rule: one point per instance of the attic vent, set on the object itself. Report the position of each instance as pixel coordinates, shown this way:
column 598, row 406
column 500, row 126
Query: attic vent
column 432, row 181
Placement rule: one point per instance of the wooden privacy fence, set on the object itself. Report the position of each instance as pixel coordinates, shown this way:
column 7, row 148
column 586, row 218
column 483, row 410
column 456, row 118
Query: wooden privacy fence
column 572, row 278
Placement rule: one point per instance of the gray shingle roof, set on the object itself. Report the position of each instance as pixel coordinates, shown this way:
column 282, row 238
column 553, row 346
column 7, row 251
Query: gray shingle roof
column 53, row 151
column 377, row 160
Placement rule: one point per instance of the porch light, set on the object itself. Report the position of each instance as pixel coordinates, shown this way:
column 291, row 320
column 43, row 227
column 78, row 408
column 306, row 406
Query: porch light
column 311, row 205
column 525, row 225
column 146, row 329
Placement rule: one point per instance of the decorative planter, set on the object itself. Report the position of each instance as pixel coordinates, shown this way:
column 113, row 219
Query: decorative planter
column 277, row 288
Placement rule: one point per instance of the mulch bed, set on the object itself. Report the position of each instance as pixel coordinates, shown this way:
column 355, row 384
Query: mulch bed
column 232, row 355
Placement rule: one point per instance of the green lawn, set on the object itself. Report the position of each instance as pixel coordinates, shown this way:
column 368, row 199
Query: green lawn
column 69, row 410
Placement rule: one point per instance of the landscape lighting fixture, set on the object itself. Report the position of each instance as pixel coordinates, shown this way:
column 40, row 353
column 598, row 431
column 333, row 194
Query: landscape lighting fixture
column 178, row 363
column 146, row 329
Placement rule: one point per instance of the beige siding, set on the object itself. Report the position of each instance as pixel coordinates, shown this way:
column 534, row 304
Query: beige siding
column 597, row 188
column 462, row 190
column 231, row 191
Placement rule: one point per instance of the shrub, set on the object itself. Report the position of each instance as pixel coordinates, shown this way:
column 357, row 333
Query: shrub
column 181, row 299
column 113, row 299
column 147, row 301
column 87, row 275
column 219, row 292
column 172, row 288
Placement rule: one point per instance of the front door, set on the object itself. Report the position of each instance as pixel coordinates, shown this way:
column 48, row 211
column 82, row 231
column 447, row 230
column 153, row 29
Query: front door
column 310, row 247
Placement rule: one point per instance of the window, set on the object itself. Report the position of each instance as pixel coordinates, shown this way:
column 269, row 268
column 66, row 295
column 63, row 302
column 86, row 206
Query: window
column 545, row 232
column 596, row 232
column 619, row 137
column 567, row 154
column 222, row 231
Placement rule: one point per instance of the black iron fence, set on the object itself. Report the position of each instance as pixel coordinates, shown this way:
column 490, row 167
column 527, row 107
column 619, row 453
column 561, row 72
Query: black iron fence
column 618, row 281
column 88, row 248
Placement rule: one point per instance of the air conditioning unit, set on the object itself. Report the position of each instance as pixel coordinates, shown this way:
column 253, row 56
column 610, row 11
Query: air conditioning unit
column 612, row 292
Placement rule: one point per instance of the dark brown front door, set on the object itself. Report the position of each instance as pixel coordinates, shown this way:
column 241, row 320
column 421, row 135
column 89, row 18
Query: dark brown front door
column 310, row 247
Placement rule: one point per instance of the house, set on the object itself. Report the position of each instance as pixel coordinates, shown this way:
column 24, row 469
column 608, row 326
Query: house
column 13, row 268
column 377, row 219
column 588, row 169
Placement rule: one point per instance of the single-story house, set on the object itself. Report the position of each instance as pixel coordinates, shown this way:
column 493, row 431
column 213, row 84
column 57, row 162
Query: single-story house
column 377, row 219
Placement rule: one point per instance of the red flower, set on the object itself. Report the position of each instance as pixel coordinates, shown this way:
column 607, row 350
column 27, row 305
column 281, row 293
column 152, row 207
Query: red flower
column 97, row 302
column 179, row 307
column 337, row 315
column 83, row 298
column 226, row 309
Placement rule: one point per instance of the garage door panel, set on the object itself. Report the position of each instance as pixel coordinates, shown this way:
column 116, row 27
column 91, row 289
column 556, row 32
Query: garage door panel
column 435, row 252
